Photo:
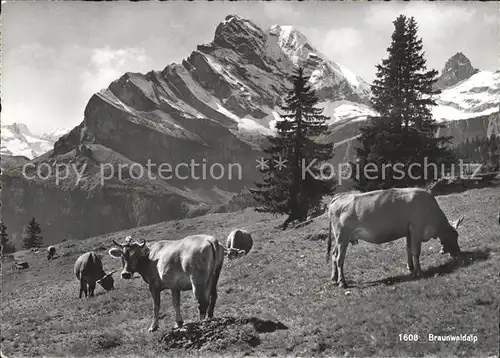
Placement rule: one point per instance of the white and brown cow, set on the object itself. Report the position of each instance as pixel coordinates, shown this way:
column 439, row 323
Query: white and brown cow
column 382, row 216
column 193, row 263
column 239, row 243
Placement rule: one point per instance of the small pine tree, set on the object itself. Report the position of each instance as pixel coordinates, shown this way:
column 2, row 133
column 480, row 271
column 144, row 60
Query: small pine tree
column 494, row 152
column 33, row 235
column 484, row 152
column 6, row 246
column 298, row 187
column 404, row 133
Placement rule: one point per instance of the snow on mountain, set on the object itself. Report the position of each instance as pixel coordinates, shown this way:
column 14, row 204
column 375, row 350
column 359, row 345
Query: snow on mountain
column 56, row 134
column 477, row 96
column 16, row 139
column 327, row 77
column 345, row 111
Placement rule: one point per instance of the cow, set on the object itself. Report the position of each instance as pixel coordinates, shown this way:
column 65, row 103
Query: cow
column 239, row 242
column 89, row 271
column 382, row 216
column 20, row 265
column 192, row 263
column 51, row 251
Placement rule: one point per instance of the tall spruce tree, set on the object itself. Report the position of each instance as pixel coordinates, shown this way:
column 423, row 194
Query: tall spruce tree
column 296, row 187
column 404, row 133
column 33, row 235
column 6, row 246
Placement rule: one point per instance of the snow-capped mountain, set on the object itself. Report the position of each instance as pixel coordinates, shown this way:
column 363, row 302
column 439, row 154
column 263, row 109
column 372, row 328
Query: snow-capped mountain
column 479, row 95
column 56, row 134
column 216, row 106
column 17, row 139
column 327, row 77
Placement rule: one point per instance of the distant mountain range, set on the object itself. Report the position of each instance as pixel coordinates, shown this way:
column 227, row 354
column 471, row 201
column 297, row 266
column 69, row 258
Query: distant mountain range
column 17, row 140
column 218, row 106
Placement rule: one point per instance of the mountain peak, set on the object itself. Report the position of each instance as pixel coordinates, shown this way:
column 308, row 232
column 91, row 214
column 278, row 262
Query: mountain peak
column 457, row 68
column 234, row 30
column 20, row 128
column 293, row 43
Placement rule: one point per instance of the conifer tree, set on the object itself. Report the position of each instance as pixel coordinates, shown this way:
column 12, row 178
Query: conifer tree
column 404, row 132
column 294, row 183
column 6, row 246
column 33, row 235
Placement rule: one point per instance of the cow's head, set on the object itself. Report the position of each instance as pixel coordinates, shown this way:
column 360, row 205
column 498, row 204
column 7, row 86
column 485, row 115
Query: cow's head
column 131, row 254
column 449, row 239
column 234, row 254
column 107, row 281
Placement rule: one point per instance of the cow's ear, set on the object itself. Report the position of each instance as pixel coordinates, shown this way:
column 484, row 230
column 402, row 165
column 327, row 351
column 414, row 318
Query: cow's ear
column 116, row 253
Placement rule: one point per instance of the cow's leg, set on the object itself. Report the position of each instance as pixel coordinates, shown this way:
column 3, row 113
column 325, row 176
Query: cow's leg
column 341, row 252
column 409, row 254
column 335, row 273
column 416, row 246
column 213, row 292
column 91, row 289
column 201, row 293
column 287, row 222
column 176, row 302
column 155, row 293
column 83, row 288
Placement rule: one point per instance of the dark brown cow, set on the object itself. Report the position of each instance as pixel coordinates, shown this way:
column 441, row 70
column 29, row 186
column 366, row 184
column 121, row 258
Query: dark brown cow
column 89, row 271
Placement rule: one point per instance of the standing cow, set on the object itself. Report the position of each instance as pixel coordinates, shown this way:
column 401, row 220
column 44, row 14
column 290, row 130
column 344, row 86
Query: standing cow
column 89, row 271
column 382, row 216
column 239, row 242
column 193, row 263
column 51, row 251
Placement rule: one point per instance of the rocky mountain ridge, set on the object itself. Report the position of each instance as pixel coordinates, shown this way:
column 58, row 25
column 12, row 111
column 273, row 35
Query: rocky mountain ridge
column 213, row 109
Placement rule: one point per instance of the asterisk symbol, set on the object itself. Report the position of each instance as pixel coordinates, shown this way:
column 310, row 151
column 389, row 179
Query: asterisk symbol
column 280, row 163
column 262, row 163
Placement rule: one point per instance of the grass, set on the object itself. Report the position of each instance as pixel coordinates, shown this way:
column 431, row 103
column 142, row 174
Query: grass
column 284, row 279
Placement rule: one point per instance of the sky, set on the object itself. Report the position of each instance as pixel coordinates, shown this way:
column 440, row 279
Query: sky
column 56, row 55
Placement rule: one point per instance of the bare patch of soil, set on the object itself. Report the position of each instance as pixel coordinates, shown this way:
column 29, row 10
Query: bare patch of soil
column 220, row 334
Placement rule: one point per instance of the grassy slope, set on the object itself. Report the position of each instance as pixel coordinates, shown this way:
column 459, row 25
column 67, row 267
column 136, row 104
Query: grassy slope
column 284, row 278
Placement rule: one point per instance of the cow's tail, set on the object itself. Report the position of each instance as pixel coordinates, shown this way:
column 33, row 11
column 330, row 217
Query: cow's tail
column 217, row 266
column 330, row 215
column 329, row 244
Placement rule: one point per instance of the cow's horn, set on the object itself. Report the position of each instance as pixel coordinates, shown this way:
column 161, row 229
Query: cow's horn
column 117, row 244
column 142, row 244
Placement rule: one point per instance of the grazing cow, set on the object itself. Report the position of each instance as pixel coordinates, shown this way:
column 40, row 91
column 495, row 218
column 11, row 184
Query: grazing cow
column 89, row 271
column 193, row 263
column 239, row 242
column 382, row 216
column 51, row 251
column 20, row 265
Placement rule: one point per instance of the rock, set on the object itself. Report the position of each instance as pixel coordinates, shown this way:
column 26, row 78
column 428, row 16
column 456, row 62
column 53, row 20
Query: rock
column 457, row 68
